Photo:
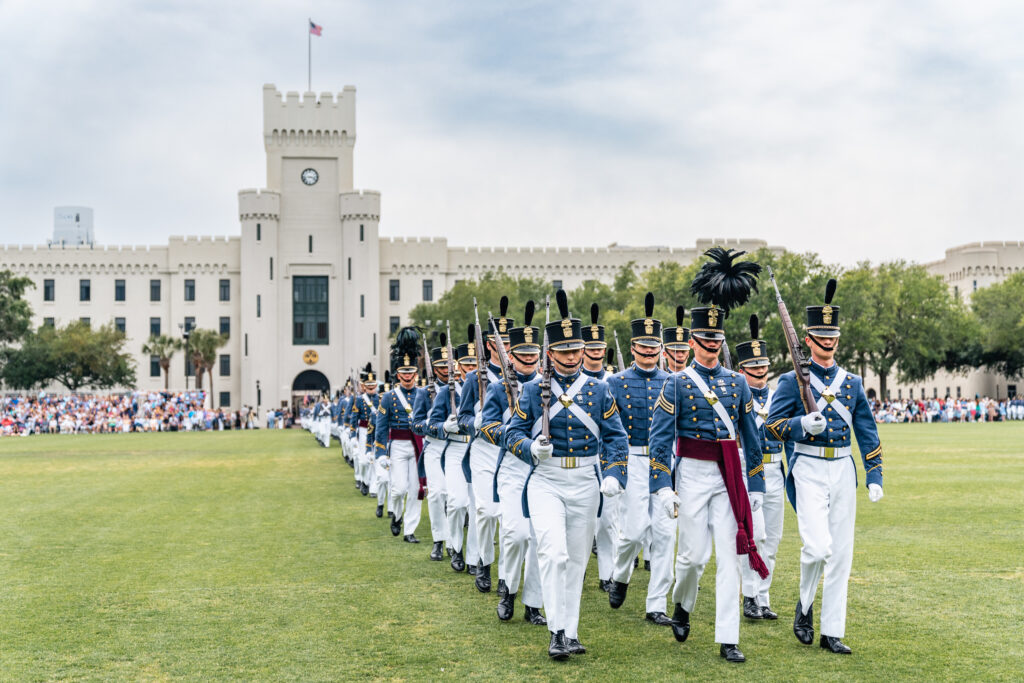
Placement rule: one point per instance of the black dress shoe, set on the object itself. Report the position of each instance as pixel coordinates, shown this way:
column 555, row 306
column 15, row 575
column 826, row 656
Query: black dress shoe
column 731, row 653
column 533, row 615
column 507, row 606
column 396, row 526
column 593, row 548
column 483, row 578
column 833, row 644
column 636, row 562
column 558, row 649
column 680, row 623
column 391, row 515
column 471, row 569
column 603, row 585
column 364, row 489
column 372, row 494
column 751, row 610
column 380, row 510
column 575, row 646
column 502, row 588
column 803, row 624
column 659, row 618
column 617, row 594
column 410, row 538
column 647, row 565
column 437, row 552
column 449, row 551
column 458, row 564
column 767, row 613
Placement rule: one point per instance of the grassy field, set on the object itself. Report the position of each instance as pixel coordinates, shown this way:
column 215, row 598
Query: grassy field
column 251, row 556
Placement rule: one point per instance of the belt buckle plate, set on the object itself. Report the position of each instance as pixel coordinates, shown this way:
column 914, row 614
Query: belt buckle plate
column 829, row 452
column 569, row 463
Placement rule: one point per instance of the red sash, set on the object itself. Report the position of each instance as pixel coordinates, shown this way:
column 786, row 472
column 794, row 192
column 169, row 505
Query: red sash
column 727, row 455
column 417, row 444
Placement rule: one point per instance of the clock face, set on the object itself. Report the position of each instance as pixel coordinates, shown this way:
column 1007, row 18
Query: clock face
column 310, row 176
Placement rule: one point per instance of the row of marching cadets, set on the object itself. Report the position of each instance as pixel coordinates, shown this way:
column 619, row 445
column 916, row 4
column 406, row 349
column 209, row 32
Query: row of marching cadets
column 525, row 438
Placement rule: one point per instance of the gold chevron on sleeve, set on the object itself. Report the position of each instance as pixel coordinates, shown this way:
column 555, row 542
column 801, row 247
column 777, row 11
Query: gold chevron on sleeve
column 873, row 454
column 759, row 468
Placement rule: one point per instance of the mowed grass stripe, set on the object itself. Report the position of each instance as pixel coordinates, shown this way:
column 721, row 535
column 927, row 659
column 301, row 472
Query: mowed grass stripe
column 249, row 555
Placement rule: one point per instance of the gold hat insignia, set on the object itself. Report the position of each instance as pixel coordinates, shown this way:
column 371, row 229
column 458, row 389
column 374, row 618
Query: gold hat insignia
column 679, row 334
column 826, row 314
column 594, row 332
column 648, row 326
column 713, row 317
column 755, row 346
column 502, row 325
column 566, row 327
column 528, row 335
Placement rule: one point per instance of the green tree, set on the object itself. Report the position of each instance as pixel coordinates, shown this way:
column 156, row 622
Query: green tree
column 15, row 313
column 202, row 347
column 164, row 348
column 76, row 356
column 1000, row 313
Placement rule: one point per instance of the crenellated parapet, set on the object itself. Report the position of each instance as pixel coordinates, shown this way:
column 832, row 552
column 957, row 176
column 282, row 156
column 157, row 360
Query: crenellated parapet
column 258, row 205
column 359, row 205
column 324, row 120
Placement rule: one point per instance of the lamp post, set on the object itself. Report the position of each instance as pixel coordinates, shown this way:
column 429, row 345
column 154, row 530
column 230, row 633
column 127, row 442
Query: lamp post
column 184, row 335
column 259, row 397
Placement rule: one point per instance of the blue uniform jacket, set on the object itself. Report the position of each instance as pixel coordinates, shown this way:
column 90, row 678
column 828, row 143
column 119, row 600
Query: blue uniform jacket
column 441, row 409
column 421, row 410
column 683, row 412
column 769, row 444
column 495, row 406
column 635, row 392
column 786, row 410
column 358, row 410
column 471, row 396
column 391, row 414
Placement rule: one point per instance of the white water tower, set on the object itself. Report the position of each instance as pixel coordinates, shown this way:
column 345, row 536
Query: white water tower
column 72, row 225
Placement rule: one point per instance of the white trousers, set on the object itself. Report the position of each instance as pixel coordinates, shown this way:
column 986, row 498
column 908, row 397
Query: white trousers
column 767, row 534
column 382, row 480
column 826, row 511
column 483, row 460
column 518, row 542
column 323, row 431
column 363, row 461
column 705, row 516
column 563, row 509
column 606, row 536
column 460, row 503
column 432, row 449
column 405, row 485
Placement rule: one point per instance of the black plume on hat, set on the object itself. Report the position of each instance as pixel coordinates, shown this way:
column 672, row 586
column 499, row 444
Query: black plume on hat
column 830, row 290
column 649, row 304
column 594, row 311
column 563, row 303
column 471, row 333
column 680, row 315
column 503, row 307
column 724, row 283
column 611, row 357
column 444, row 339
column 755, row 326
column 528, row 314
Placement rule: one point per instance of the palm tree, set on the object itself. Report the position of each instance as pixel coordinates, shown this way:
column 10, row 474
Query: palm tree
column 163, row 347
column 203, row 346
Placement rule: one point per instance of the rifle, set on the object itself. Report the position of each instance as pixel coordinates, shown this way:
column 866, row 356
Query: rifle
column 507, row 371
column 801, row 366
column 618, row 352
column 428, row 370
column 545, row 390
column 452, row 408
column 726, row 356
column 481, row 357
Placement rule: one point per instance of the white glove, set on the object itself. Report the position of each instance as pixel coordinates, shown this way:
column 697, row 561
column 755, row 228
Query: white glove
column 611, row 487
column 478, row 421
column 385, row 462
column 874, row 493
column 813, row 423
column 541, row 452
column 669, row 502
column 451, row 425
column 756, row 501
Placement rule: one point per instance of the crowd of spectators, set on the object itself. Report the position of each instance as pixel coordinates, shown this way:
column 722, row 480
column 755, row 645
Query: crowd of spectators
column 139, row 411
column 977, row 409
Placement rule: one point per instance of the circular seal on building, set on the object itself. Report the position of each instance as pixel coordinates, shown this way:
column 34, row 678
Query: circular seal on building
column 310, row 357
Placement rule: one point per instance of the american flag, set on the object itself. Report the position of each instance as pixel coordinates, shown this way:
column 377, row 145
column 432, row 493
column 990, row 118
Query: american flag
column 315, row 29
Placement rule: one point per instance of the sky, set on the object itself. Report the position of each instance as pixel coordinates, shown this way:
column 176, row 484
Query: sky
column 859, row 130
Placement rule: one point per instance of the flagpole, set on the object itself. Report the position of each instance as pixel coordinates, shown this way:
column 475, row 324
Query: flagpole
column 309, row 60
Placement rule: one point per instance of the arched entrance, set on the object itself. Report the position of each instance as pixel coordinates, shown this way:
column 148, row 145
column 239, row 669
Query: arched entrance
column 308, row 383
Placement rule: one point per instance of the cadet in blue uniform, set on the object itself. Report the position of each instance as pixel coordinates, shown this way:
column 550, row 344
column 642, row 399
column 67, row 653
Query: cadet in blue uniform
column 562, row 493
column 483, row 456
column 752, row 361
column 706, row 408
column 822, row 481
column 397, row 447
column 322, row 420
column 457, row 488
column 636, row 390
column 676, row 343
column 433, row 450
column 361, row 415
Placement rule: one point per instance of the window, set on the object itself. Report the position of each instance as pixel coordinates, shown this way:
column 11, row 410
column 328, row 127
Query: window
column 271, row 267
column 349, row 267
column 428, row 290
column 86, row 320
column 899, row 394
column 911, row 393
column 225, row 365
column 393, row 290
column 374, row 343
column 557, row 284
column 958, row 392
column 258, row 230
column 246, row 340
column 225, row 290
column 362, row 306
column 975, row 285
column 956, row 291
column 258, row 305
column 935, row 392
column 225, row 325
column 118, row 290
column 84, row 290
column 360, row 233
column 225, row 399
column 190, row 290
column 190, row 323
column 48, row 290
column 154, row 290
column 154, row 366
column 309, row 310
column 190, row 370
column 310, row 244
column 119, row 323
column 48, row 322
column 154, row 327
column 394, row 322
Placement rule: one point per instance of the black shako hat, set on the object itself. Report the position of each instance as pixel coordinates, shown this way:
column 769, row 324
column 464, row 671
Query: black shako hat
column 466, row 353
column 439, row 354
column 405, row 351
column 676, row 338
column 593, row 334
column 646, row 331
column 754, row 352
column 823, row 321
column 367, row 376
column 706, row 323
column 503, row 322
column 564, row 334
column 525, row 339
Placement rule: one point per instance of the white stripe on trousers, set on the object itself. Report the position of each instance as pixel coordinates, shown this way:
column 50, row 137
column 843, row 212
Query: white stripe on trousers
column 460, row 503
column 606, row 535
column 563, row 509
column 405, row 484
column 436, row 495
column 518, row 542
column 826, row 512
column 483, row 460
column 768, row 522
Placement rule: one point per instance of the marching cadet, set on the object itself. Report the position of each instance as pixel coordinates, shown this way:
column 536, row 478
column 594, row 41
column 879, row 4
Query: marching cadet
column 518, row 543
column 636, row 390
column 398, row 448
column 361, row 415
column 707, row 407
column 341, row 404
column 606, row 529
column 483, row 455
column 381, row 476
column 752, row 360
column 433, row 450
column 456, row 480
column 561, row 440
column 822, row 480
column 676, row 343
column 322, row 420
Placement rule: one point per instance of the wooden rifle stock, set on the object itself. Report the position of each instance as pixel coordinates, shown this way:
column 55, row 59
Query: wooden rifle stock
column 508, row 373
column 428, row 370
column 481, row 357
column 452, row 407
column 545, row 393
column 726, row 356
column 801, row 366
